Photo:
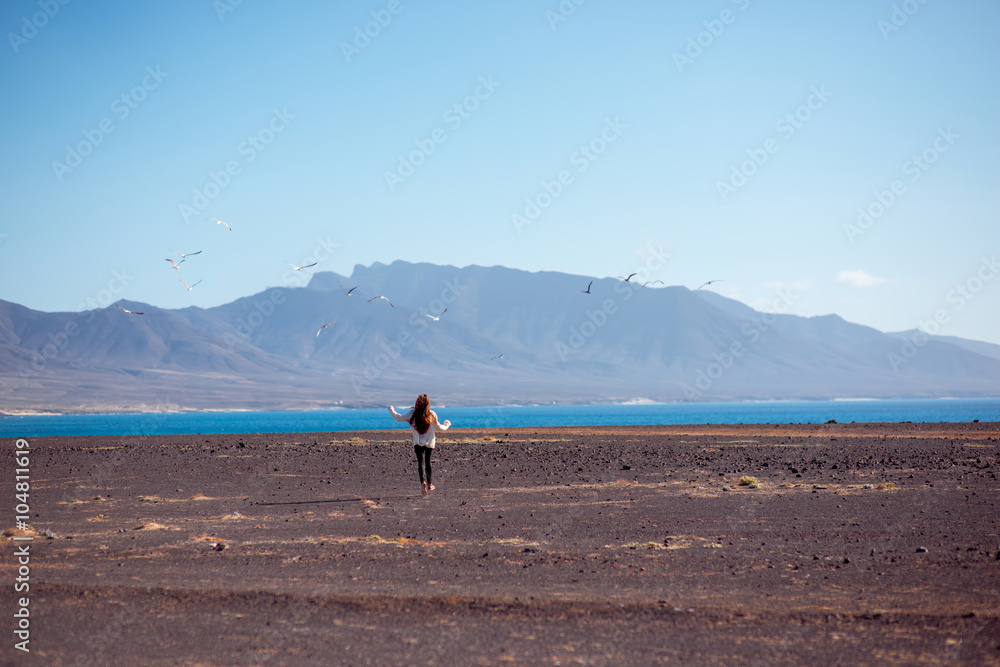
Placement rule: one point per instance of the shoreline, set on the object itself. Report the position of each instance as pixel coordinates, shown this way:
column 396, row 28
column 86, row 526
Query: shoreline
column 142, row 409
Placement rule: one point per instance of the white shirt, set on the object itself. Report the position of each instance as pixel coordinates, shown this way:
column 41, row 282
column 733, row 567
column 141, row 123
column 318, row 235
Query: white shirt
column 423, row 439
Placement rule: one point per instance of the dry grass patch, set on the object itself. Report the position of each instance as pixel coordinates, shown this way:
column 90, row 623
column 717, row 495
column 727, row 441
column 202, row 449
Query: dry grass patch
column 655, row 546
column 160, row 499
column 669, row 543
column 20, row 532
column 515, row 542
column 467, row 441
column 152, row 525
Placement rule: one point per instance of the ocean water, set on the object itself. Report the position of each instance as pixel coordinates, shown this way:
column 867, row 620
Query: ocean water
column 771, row 412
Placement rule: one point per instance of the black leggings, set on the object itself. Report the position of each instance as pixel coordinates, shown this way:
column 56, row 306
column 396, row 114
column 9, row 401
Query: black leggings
column 423, row 461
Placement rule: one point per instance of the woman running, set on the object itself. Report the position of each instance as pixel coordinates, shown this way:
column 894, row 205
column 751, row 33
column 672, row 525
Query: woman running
column 423, row 423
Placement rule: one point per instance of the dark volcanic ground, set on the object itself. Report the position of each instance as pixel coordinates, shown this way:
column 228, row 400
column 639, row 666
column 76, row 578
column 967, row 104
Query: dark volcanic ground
column 624, row 545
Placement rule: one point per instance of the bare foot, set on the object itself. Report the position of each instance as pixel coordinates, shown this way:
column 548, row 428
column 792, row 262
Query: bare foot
column 423, row 488
column 431, row 487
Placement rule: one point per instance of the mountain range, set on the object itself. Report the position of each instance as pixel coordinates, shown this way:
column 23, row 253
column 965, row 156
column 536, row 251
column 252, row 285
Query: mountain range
column 505, row 337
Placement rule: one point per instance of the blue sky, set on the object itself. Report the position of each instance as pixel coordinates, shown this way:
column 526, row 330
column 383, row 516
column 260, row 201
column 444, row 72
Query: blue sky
column 746, row 157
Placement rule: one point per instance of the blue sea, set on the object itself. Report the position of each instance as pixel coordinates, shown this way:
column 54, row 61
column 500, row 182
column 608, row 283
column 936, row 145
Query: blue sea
column 771, row 412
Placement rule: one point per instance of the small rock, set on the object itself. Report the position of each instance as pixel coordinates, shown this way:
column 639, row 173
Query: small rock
column 921, row 550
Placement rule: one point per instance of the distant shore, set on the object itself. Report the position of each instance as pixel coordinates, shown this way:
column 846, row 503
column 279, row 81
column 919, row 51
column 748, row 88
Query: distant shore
column 145, row 408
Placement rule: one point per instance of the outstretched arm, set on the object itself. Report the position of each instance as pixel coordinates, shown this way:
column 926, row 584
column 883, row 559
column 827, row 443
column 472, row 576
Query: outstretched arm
column 398, row 417
column 442, row 426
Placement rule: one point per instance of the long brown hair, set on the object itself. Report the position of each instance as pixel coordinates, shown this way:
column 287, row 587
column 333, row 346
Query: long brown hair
column 422, row 418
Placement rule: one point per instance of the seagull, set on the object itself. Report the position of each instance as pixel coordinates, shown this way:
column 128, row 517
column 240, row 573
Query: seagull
column 347, row 292
column 499, row 356
column 328, row 324
column 709, row 283
column 221, row 223
column 189, row 287
column 130, row 312
column 586, row 291
column 173, row 264
column 439, row 315
column 650, row 282
column 305, row 266
column 183, row 256
column 629, row 277
column 380, row 297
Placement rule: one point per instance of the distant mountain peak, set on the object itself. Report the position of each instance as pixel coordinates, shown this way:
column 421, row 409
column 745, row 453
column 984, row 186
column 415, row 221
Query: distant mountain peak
column 295, row 348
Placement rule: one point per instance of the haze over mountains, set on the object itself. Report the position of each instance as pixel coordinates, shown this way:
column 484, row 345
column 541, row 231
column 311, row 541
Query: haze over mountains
column 621, row 342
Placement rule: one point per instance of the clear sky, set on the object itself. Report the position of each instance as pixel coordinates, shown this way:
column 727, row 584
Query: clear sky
column 741, row 137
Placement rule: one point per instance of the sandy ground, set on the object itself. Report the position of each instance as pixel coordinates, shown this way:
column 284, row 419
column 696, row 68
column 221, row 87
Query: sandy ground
column 859, row 543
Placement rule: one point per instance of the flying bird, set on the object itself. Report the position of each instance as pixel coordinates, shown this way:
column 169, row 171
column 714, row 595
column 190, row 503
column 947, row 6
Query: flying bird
column 629, row 277
column 499, row 356
column 347, row 292
column 650, row 282
column 328, row 324
column 439, row 315
column 380, row 297
column 174, row 264
column 709, row 283
column 222, row 223
column 130, row 312
column 586, row 291
column 183, row 256
column 304, row 266
column 189, row 287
